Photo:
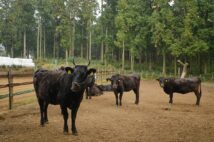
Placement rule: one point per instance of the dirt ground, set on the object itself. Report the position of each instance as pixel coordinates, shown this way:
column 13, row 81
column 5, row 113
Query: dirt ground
column 99, row 120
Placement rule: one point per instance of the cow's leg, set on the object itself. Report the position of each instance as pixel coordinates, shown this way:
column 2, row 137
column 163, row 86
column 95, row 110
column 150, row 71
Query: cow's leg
column 46, row 112
column 171, row 98
column 116, row 97
column 198, row 96
column 73, row 117
column 121, row 95
column 65, row 116
column 136, row 91
column 41, row 105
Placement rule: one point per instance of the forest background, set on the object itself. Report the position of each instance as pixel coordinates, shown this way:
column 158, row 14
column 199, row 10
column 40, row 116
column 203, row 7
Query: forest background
column 134, row 35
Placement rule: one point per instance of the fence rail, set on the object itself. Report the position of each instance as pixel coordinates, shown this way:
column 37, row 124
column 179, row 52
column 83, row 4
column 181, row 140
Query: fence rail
column 10, row 76
column 102, row 74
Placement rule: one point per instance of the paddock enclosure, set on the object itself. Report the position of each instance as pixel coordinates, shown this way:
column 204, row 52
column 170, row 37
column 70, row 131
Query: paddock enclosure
column 99, row 119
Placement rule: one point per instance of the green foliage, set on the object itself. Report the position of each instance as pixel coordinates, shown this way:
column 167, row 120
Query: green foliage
column 147, row 28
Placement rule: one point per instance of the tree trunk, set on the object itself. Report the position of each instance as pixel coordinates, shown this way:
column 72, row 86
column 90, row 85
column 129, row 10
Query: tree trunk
column 106, row 47
column 140, row 56
column 44, row 46
column 132, row 62
column 54, row 46
column 146, row 58
column 150, row 61
column 175, row 66
column 12, row 45
column 205, row 67
column 66, row 56
column 199, row 63
column 123, row 56
column 37, row 46
column 40, row 41
column 102, row 44
column 72, row 38
column 164, row 62
column 102, row 51
column 81, row 52
column 86, row 42
column 24, row 51
column 58, row 46
column 89, row 52
column 184, row 71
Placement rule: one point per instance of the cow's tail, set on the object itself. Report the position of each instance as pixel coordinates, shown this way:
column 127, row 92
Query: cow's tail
column 200, row 92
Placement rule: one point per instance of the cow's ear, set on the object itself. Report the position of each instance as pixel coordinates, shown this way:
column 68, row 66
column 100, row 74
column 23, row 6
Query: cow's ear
column 108, row 79
column 158, row 79
column 69, row 70
column 92, row 70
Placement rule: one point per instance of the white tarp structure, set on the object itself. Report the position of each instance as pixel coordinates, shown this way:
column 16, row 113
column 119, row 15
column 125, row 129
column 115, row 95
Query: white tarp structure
column 7, row 61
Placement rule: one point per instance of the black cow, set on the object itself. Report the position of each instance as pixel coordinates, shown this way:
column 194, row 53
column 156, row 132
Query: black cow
column 181, row 85
column 90, row 84
column 94, row 90
column 97, row 90
column 107, row 87
column 61, row 87
column 121, row 83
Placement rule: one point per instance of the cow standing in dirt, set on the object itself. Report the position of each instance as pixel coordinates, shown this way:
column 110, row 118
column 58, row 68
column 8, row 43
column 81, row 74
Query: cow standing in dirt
column 123, row 83
column 181, row 85
column 61, row 87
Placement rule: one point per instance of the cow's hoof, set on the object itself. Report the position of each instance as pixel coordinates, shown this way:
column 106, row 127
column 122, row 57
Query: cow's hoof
column 65, row 130
column 65, row 133
column 46, row 121
column 136, row 103
column 75, row 133
column 42, row 125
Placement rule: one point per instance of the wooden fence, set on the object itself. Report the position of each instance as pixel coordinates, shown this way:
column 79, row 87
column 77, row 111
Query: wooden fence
column 10, row 76
column 101, row 76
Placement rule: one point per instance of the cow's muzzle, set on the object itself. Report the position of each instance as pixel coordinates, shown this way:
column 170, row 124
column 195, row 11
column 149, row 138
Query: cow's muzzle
column 114, row 86
column 162, row 85
column 75, row 87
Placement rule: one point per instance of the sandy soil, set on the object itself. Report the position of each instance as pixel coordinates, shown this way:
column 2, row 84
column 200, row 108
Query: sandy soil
column 153, row 120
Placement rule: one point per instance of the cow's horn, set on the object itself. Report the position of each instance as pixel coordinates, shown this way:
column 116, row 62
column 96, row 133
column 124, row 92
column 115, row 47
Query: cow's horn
column 73, row 62
column 88, row 62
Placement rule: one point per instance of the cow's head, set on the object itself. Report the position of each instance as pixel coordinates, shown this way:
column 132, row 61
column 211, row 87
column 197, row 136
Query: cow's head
column 116, row 81
column 91, row 80
column 162, row 81
column 80, row 74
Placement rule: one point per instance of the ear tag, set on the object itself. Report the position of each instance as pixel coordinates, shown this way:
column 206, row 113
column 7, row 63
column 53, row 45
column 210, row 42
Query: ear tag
column 166, row 80
column 69, row 72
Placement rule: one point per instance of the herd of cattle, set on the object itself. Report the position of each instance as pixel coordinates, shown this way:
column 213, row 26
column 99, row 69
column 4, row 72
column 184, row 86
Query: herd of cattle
column 66, row 86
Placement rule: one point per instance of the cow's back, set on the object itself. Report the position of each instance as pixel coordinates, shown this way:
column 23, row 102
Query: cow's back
column 182, row 85
column 47, row 85
column 131, row 82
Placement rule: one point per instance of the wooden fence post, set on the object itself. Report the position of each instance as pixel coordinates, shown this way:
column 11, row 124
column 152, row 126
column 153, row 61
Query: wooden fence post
column 10, row 82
